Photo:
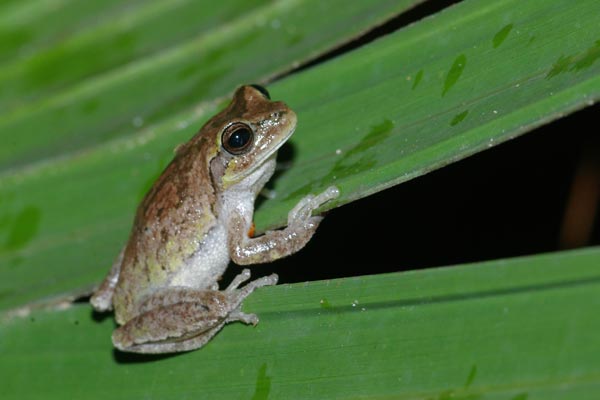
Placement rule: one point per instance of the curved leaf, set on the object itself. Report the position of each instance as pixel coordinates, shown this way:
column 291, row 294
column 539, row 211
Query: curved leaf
column 469, row 78
column 512, row 329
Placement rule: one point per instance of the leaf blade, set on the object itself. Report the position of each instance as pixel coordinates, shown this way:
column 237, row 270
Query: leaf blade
column 116, row 97
column 500, row 329
column 361, row 100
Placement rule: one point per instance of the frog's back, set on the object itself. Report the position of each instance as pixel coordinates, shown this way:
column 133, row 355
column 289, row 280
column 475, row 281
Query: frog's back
column 169, row 224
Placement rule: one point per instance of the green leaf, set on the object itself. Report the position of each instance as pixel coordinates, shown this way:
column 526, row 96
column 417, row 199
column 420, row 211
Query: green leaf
column 515, row 329
column 98, row 170
column 27, row 27
column 89, row 118
column 101, row 36
column 158, row 58
column 475, row 75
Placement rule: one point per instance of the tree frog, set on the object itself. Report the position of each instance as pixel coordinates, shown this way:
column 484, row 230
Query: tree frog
column 195, row 219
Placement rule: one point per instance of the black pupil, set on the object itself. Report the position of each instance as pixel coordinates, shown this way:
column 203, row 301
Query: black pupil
column 239, row 138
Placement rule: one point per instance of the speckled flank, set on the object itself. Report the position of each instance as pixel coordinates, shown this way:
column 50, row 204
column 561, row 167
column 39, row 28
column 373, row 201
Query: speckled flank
column 175, row 214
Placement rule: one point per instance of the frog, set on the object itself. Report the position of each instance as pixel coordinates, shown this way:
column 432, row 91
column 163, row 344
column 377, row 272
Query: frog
column 197, row 217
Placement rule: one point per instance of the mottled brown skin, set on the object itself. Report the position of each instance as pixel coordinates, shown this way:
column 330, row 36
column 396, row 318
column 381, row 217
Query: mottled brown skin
column 195, row 218
column 180, row 206
column 177, row 209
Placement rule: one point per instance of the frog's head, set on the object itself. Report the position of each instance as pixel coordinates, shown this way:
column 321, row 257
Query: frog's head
column 248, row 133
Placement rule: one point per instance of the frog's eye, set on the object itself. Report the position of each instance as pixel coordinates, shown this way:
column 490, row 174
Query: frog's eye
column 261, row 89
column 237, row 138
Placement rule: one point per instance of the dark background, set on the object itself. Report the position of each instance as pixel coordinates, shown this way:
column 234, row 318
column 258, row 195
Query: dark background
column 508, row 201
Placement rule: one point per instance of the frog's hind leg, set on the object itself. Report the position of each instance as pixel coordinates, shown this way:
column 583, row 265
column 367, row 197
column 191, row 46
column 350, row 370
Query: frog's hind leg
column 182, row 319
column 194, row 342
column 179, row 319
column 102, row 298
column 185, row 344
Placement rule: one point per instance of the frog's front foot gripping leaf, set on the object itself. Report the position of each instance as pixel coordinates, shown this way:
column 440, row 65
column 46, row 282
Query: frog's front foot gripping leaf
column 300, row 215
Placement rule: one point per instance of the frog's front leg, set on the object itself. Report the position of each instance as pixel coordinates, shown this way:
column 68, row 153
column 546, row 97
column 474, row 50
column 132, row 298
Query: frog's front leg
column 102, row 298
column 182, row 319
column 276, row 244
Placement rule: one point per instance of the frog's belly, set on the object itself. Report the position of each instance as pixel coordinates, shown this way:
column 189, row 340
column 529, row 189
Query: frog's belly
column 206, row 266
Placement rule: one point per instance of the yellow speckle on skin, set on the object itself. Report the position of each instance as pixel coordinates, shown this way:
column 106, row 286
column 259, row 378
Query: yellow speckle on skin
column 176, row 252
column 156, row 273
column 229, row 174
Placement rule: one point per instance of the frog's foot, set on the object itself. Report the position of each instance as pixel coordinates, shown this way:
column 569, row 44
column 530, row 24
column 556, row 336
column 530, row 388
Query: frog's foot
column 238, row 315
column 238, row 280
column 238, row 295
column 301, row 214
column 249, row 288
column 241, row 294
